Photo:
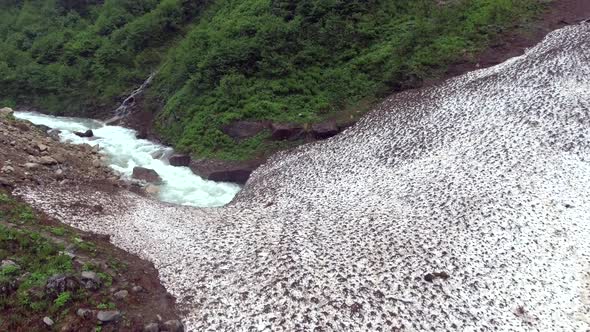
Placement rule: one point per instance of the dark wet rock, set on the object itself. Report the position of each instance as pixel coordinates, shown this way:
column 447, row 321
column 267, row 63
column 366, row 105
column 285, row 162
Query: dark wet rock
column 60, row 283
column 430, row 277
column 243, row 129
column 152, row 327
column 87, row 134
column 225, row 171
column 54, row 133
column 324, row 130
column 43, row 128
column 141, row 134
column 108, row 316
column 173, row 326
column 179, row 160
column 91, row 280
column 286, row 131
column 146, row 174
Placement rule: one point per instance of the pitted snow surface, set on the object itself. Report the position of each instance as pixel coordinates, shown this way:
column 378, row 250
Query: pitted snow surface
column 485, row 178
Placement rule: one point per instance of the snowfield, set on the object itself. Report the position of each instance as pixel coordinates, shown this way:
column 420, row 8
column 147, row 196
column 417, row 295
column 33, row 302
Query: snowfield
column 460, row 207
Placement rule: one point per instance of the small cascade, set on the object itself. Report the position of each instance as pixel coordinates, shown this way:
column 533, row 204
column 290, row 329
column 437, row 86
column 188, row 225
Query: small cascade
column 125, row 108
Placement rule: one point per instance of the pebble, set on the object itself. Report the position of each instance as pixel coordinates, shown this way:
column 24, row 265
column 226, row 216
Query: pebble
column 48, row 321
column 108, row 316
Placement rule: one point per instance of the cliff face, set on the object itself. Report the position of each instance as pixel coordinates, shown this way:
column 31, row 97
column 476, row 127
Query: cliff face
column 460, row 206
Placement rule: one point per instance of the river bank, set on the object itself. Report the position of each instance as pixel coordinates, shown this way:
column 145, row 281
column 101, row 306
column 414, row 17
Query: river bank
column 53, row 276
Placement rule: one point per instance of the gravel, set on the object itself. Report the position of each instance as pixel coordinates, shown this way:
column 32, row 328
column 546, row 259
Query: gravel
column 480, row 185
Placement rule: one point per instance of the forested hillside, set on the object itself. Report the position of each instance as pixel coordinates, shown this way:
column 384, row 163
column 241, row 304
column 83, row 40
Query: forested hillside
column 219, row 61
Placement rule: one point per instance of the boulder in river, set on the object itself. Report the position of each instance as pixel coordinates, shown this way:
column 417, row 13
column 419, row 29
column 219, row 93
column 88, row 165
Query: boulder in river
column 87, row 134
column 146, row 174
column 180, row 160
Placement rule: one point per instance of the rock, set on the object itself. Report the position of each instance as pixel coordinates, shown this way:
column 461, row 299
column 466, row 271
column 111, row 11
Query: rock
column 142, row 134
column 6, row 112
column 137, row 289
column 54, row 134
column 59, row 174
column 108, row 316
column 91, row 280
column 179, row 160
column 151, row 189
column 121, row 295
column 48, row 321
column 31, row 166
column 7, row 169
column 243, row 129
column 146, row 174
column 43, row 128
column 87, row 134
column 84, row 313
column 152, row 327
column 173, row 326
column 41, row 147
column 225, row 171
column 6, row 183
column 324, row 130
column 60, row 283
column 47, row 161
column 8, row 263
column 286, row 131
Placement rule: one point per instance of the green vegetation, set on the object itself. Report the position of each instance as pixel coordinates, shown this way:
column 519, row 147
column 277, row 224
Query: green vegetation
column 227, row 60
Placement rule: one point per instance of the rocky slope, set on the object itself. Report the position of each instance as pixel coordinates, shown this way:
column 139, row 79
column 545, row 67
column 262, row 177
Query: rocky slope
column 462, row 206
column 54, row 277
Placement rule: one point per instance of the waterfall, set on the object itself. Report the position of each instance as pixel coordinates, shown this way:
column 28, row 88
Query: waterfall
column 125, row 108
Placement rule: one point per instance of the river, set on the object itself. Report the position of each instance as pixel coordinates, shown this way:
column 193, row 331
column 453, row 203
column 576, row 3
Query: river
column 125, row 151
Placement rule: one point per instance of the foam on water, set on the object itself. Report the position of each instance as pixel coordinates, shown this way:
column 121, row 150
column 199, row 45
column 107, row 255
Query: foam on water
column 125, row 152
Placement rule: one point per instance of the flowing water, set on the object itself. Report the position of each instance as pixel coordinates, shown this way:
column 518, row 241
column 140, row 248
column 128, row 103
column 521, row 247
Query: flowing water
column 125, row 151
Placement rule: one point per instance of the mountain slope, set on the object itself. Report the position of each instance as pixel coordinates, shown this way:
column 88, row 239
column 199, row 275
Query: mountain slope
column 227, row 60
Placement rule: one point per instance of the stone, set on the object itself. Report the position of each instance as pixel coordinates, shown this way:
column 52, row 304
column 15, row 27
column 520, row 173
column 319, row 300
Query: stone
column 142, row 134
column 108, row 316
column 54, row 134
column 43, row 128
column 151, row 189
column 121, row 295
column 7, row 169
column 8, row 263
column 47, row 161
column 243, row 129
column 151, row 327
column 91, row 280
column 324, row 130
column 84, row 313
column 179, row 160
column 137, row 289
column 286, row 131
column 173, row 326
column 6, row 112
column 42, row 147
column 48, row 321
column 31, row 166
column 146, row 174
column 6, row 183
column 60, row 283
column 225, row 171
column 87, row 134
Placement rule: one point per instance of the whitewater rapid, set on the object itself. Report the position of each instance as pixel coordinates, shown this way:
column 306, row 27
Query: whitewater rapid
column 125, row 151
